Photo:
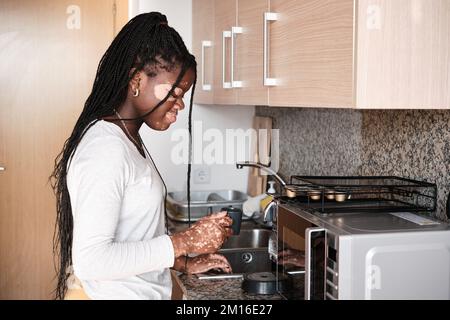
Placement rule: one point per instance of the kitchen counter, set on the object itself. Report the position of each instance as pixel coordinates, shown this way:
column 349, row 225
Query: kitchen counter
column 223, row 289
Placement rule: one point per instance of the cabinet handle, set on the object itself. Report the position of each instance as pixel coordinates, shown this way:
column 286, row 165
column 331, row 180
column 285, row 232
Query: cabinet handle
column 205, row 44
column 234, row 30
column 2, row 168
column 225, row 34
column 268, row 16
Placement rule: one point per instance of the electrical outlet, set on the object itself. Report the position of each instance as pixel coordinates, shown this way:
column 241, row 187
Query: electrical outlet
column 202, row 175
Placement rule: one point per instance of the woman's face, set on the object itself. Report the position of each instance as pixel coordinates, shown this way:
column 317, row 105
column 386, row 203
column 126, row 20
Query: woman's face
column 152, row 90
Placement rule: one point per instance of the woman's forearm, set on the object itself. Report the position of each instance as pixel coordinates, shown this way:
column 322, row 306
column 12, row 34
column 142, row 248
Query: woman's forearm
column 180, row 244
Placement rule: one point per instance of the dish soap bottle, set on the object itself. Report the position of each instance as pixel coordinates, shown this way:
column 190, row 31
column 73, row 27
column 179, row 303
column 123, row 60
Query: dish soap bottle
column 271, row 189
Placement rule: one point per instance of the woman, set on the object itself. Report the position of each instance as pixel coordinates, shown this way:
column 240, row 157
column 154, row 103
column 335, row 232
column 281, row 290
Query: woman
column 110, row 197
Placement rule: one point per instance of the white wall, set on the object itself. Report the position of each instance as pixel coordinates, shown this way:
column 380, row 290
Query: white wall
column 222, row 176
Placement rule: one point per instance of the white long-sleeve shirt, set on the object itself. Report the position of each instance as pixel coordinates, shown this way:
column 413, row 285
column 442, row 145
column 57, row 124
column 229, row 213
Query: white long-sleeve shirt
column 120, row 249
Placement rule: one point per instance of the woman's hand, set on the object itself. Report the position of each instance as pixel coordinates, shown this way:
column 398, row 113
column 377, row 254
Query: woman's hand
column 206, row 236
column 291, row 257
column 207, row 262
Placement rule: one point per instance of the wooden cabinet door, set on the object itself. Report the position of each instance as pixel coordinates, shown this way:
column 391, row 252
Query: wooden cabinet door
column 403, row 54
column 311, row 53
column 202, row 46
column 225, row 19
column 49, row 55
column 249, row 52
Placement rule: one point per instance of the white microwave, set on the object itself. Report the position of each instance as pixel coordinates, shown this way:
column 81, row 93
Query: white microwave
column 380, row 255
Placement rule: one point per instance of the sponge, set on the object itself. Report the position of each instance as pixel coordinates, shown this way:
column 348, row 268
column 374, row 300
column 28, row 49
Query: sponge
column 265, row 201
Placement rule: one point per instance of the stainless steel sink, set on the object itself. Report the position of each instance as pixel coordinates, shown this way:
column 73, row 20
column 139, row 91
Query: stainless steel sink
column 248, row 251
column 202, row 203
column 248, row 240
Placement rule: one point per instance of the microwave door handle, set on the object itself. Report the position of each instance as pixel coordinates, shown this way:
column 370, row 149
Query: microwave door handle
column 308, row 268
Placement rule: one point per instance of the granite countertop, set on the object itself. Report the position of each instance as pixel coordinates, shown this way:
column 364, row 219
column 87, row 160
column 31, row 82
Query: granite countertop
column 215, row 289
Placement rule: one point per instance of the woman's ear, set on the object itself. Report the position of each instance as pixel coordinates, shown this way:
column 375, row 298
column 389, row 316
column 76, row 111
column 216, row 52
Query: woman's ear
column 135, row 81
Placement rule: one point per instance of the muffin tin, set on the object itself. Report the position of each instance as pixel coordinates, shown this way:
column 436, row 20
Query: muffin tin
column 317, row 194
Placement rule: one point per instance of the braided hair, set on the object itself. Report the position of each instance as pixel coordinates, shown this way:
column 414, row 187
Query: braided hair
column 145, row 43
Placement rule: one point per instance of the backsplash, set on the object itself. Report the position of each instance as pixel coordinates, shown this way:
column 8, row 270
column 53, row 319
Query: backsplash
column 407, row 143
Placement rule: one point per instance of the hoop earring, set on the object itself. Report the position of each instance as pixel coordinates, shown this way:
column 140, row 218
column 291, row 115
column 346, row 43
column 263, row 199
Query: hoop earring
column 136, row 92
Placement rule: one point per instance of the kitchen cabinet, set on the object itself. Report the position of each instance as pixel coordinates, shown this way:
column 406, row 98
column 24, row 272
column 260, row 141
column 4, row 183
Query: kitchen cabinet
column 311, row 53
column 363, row 54
column 308, row 48
column 403, row 54
column 178, row 290
column 331, row 53
column 202, row 48
column 225, row 19
column 249, row 51
column 227, row 45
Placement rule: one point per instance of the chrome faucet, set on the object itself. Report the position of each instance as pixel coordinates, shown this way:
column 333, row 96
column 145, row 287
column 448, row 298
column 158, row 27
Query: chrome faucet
column 240, row 165
column 270, row 215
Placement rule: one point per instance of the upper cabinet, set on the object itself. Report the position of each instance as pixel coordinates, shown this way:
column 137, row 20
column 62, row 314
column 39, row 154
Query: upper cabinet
column 311, row 53
column 249, row 68
column 227, row 45
column 403, row 54
column 325, row 53
column 224, row 48
column 202, row 48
